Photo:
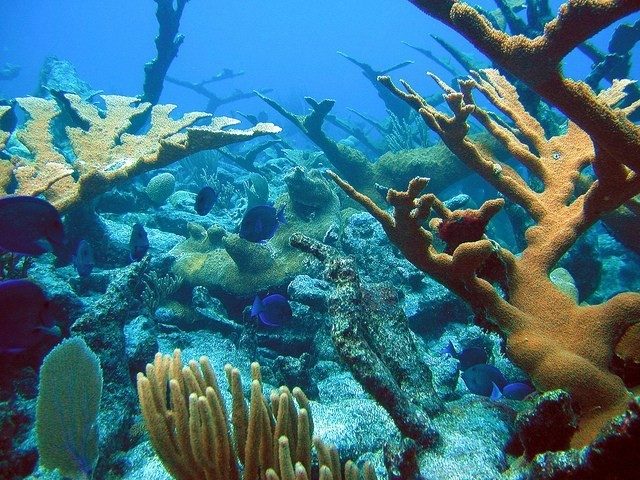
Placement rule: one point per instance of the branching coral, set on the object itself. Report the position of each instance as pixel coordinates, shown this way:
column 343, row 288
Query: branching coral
column 390, row 170
column 558, row 343
column 100, row 147
column 192, row 436
column 536, row 62
column 168, row 43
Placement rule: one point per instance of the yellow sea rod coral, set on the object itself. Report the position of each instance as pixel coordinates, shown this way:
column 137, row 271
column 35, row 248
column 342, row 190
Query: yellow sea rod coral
column 194, row 440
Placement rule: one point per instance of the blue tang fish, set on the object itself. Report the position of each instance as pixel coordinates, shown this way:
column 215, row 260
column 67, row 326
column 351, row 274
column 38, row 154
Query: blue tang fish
column 480, row 379
column 511, row 391
column 29, row 226
column 468, row 357
column 83, row 259
column 25, row 316
column 273, row 310
column 260, row 223
column 205, row 199
column 138, row 243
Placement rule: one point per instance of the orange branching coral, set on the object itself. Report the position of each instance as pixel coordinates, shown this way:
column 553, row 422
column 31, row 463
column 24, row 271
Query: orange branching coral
column 558, row 343
column 72, row 161
column 536, row 62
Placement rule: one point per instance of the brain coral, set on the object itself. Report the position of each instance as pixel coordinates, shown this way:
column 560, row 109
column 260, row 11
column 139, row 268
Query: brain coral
column 160, row 187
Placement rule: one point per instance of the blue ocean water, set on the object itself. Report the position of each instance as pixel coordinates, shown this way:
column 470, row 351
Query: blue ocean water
column 196, row 254
column 284, row 45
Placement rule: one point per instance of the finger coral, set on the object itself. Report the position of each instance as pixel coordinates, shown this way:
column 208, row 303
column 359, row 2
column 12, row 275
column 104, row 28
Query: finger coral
column 191, row 434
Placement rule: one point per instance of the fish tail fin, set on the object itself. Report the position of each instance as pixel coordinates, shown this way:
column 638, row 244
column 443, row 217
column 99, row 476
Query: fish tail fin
column 281, row 217
column 257, row 307
column 496, row 394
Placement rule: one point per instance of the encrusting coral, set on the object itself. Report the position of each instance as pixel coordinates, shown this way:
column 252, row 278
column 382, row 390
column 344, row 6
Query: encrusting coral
column 193, row 439
column 223, row 261
column 101, row 146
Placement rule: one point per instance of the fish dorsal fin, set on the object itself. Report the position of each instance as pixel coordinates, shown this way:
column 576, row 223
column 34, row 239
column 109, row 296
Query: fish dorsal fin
column 257, row 307
column 451, row 349
column 280, row 215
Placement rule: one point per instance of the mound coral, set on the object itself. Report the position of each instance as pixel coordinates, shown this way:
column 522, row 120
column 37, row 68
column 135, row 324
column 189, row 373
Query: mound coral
column 223, row 261
column 160, row 187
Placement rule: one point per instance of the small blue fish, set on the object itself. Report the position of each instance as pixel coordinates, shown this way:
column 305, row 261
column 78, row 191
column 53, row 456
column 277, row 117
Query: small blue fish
column 83, row 259
column 512, row 391
column 273, row 310
column 205, row 199
column 468, row 357
column 138, row 243
column 30, row 226
column 260, row 223
column 480, row 379
column 25, row 316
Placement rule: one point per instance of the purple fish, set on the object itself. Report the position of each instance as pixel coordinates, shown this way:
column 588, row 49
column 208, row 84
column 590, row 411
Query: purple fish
column 480, row 379
column 138, row 242
column 512, row 391
column 260, row 223
column 25, row 316
column 205, row 199
column 29, row 226
column 273, row 310
column 468, row 357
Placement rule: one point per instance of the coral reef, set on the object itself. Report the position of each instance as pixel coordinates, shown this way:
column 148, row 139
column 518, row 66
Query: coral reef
column 193, row 438
column 372, row 337
column 536, row 63
column 160, row 187
column 613, row 454
column 102, row 327
column 557, row 342
column 520, row 260
column 393, row 169
column 100, row 147
column 223, row 261
column 168, row 43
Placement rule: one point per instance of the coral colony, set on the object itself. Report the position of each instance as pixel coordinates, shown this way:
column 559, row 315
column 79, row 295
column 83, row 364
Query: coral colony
column 449, row 291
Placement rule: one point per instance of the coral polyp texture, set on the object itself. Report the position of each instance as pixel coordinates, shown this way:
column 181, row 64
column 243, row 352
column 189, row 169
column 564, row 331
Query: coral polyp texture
column 74, row 150
column 270, row 439
column 559, row 343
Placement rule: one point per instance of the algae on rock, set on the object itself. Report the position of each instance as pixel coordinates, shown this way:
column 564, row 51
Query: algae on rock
column 222, row 261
